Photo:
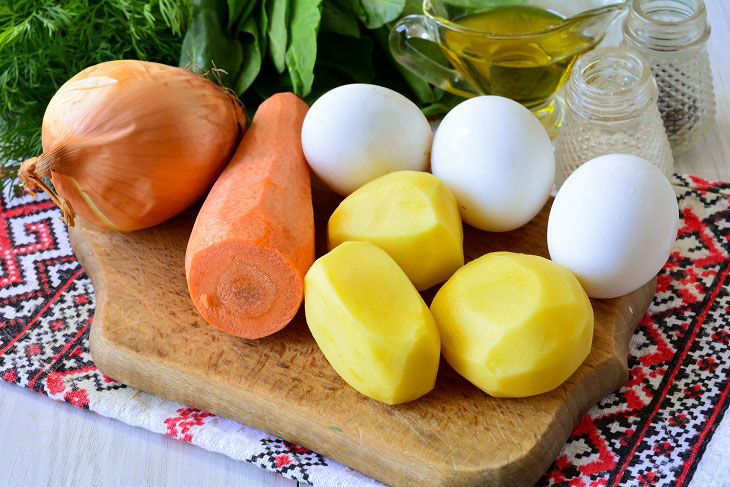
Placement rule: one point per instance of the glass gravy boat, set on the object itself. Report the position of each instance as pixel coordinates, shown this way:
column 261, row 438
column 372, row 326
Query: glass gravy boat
column 520, row 49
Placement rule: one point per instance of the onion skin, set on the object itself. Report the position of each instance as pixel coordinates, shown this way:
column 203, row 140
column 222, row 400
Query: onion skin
column 143, row 141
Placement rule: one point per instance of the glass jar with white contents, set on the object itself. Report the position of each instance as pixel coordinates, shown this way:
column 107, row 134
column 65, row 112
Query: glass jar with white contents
column 612, row 109
column 672, row 36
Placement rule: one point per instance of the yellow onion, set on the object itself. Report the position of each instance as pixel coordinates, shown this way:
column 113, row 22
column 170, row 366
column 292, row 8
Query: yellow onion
column 129, row 144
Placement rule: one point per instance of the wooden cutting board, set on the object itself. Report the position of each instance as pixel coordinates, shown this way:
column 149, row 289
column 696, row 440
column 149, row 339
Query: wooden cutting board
column 146, row 333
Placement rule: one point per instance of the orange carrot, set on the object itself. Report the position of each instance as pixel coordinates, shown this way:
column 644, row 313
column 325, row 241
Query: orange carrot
column 253, row 240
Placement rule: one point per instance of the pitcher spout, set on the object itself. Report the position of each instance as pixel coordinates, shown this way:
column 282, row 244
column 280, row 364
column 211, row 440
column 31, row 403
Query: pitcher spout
column 595, row 22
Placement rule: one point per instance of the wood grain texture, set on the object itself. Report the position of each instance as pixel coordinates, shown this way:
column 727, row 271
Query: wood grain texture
column 146, row 333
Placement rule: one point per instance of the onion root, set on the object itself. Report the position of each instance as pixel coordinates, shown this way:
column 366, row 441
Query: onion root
column 31, row 181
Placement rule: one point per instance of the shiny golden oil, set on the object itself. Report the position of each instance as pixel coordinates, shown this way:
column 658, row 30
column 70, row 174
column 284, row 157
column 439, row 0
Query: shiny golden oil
column 528, row 69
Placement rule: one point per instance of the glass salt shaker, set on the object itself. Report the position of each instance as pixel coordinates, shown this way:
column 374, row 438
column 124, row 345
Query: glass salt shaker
column 612, row 109
column 672, row 36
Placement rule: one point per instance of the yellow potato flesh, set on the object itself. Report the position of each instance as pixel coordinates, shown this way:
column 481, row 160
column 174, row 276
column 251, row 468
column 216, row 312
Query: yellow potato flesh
column 514, row 325
column 371, row 324
column 412, row 216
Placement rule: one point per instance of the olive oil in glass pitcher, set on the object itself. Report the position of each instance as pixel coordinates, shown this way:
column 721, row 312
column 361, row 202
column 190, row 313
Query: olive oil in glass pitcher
column 520, row 50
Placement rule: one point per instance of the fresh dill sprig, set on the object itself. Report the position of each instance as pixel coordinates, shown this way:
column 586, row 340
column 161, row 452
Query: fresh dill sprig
column 43, row 43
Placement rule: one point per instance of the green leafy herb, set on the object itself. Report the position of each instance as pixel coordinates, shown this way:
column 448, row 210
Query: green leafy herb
column 43, row 43
column 263, row 26
column 238, row 12
column 336, row 20
column 443, row 105
column 235, row 9
column 278, row 32
column 302, row 50
column 208, row 45
column 311, row 46
column 380, row 12
column 373, row 13
column 413, row 7
column 253, row 55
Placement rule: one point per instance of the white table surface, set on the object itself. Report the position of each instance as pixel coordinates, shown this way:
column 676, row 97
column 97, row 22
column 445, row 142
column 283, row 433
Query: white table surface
column 49, row 443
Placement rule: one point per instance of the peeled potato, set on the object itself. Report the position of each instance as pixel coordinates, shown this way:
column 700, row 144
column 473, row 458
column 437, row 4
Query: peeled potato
column 371, row 324
column 413, row 217
column 514, row 325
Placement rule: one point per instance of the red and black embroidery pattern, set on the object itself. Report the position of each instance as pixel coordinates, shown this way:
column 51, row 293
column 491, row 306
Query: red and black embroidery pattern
column 46, row 304
column 287, row 458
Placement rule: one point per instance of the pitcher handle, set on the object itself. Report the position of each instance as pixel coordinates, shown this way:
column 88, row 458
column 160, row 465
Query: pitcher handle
column 421, row 65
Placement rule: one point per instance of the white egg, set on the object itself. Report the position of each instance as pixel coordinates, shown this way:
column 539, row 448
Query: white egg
column 497, row 159
column 613, row 224
column 356, row 133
